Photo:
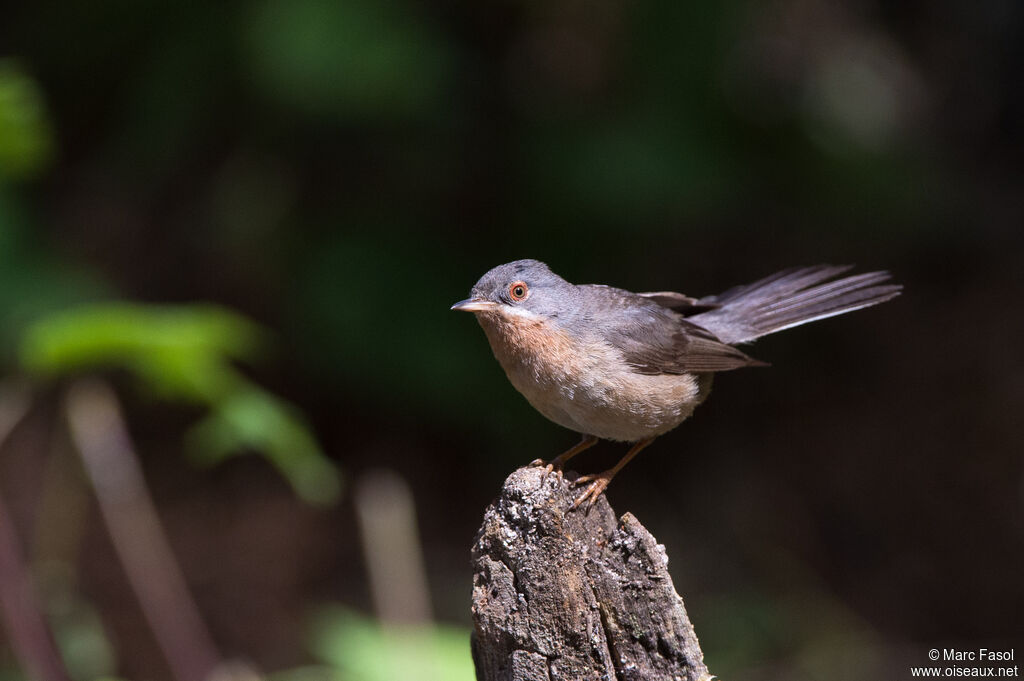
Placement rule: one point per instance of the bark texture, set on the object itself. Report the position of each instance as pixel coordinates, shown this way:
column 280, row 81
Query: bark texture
column 560, row 594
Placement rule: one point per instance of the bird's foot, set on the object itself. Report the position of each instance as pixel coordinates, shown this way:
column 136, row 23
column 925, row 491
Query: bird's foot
column 551, row 466
column 557, row 463
column 599, row 481
column 598, row 484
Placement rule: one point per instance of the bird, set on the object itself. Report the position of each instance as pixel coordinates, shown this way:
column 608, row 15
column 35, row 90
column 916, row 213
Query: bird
column 615, row 365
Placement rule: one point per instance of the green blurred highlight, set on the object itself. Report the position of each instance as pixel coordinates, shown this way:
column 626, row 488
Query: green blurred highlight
column 32, row 281
column 361, row 649
column 357, row 58
column 185, row 354
column 809, row 626
column 180, row 351
column 26, row 138
column 253, row 419
column 85, row 646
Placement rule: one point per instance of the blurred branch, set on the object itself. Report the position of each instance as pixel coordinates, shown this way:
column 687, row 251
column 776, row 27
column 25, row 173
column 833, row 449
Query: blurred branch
column 31, row 640
column 394, row 558
column 30, row 637
column 574, row 594
column 101, row 437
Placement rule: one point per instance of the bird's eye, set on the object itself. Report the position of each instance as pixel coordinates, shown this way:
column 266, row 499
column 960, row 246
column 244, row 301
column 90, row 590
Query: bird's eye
column 518, row 291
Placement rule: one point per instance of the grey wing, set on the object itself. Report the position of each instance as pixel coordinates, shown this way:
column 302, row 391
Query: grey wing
column 655, row 340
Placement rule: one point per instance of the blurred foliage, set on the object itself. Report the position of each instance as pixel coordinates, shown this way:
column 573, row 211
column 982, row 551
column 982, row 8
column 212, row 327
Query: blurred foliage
column 26, row 139
column 364, row 59
column 824, row 639
column 32, row 280
column 362, row 649
column 185, row 354
column 182, row 354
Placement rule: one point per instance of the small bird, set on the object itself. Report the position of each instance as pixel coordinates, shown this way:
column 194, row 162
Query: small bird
column 615, row 365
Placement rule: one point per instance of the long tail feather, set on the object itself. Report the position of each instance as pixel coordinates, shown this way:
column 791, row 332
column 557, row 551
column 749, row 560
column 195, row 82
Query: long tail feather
column 791, row 298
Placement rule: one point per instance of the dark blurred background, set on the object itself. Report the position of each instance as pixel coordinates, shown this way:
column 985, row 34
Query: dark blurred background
column 332, row 175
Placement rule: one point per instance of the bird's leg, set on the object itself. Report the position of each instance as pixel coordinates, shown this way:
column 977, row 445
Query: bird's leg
column 599, row 481
column 556, row 464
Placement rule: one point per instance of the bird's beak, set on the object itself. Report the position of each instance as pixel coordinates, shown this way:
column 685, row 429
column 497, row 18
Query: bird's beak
column 474, row 305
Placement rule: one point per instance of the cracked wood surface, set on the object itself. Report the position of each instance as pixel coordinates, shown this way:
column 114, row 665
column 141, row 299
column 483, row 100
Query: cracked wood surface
column 574, row 595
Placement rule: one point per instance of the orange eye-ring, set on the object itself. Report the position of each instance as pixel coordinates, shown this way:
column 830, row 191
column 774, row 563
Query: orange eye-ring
column 518, row 291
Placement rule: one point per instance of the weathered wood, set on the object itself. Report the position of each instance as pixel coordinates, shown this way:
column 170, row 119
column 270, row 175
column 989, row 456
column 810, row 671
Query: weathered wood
column 560, row 594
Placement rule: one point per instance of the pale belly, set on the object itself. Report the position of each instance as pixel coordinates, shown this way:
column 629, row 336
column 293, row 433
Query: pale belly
column 624, row 409
column 592, row 391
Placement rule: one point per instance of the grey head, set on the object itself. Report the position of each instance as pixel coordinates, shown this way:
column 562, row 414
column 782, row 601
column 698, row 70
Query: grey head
column 522, row 285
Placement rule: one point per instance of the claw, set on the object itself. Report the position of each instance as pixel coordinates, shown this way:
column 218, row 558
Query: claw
column 593, row 491
column 541, row 463
column 549, row 467
column 559, row 461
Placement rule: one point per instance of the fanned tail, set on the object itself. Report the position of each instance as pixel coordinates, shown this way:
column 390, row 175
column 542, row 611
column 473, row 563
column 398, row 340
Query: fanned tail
column 791, row 298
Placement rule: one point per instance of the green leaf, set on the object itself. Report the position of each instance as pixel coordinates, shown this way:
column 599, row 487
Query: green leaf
column 363, row 650
column 182, row 353
column 253, row 419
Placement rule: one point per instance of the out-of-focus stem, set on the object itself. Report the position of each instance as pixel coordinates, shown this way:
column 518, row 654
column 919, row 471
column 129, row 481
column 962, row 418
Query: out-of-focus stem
column 30, row 637
column 394, row 558
column 100, row 435
column 31, row 641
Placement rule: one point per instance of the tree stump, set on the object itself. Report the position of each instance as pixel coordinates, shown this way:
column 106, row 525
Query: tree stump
column 574, row 595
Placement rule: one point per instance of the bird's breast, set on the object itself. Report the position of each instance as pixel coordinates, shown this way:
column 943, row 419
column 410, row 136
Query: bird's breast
column 536, row 354
column 583, row 383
